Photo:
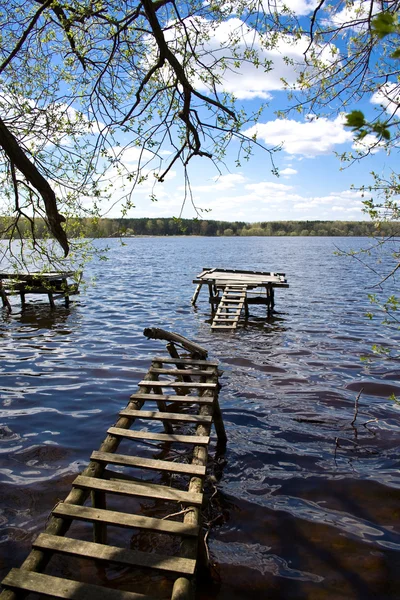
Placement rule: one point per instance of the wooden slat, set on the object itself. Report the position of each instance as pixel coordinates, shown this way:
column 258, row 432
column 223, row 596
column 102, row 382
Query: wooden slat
column 121, row 556
column 148, row 463
column 147, row 490
column 181, row 399
column 57, row 587
column 112, row 517
column 186, row 361
column 178, row 384
column 180, row 371
column 159, row 437
column 164, row 416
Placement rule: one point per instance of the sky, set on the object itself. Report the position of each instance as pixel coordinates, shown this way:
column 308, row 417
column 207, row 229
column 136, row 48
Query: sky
column 312, row 184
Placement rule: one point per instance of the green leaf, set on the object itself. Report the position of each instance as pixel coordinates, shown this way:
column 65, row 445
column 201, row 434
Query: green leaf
column 355, row 119
column 384, row 24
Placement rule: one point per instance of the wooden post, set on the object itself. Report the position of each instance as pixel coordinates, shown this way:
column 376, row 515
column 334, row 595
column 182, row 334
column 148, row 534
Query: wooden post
column 51, row 300
column 6, row 303
column 99, row 529
column 196, row 293
column 162, row 406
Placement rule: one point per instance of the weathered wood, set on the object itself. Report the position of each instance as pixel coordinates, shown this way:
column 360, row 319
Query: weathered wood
column 161, row 334
column 196, row 293
column 121, row 556
column 99, row 529
column 176, row 399
column 147, row 490
column 118, row 519
column 176, row 372
column 36, row 559
column 147, row 463
column 161, row 403
column 57, row 587
column 180, row 384
column 159, row 437
column 169, row 416
column 99, row 481
column 186, row 361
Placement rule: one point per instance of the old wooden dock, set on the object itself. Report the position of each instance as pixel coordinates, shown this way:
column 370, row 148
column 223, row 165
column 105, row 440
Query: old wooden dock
column 181, row 397
column 231, row 291
column 55, row 284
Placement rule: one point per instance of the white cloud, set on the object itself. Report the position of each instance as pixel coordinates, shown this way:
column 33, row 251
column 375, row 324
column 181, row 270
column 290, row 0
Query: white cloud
column 220, row 182
column 280, row 59
column 309, row 138
column 288, row 171
column 298, row 7
column 388, row 96
column 354, row 14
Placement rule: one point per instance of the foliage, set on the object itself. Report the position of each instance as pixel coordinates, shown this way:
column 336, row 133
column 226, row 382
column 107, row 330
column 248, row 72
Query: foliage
column 128, row 227
column 96, row 92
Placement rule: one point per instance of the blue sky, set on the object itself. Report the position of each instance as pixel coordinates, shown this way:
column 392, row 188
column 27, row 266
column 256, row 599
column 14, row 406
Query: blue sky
column 312, row 184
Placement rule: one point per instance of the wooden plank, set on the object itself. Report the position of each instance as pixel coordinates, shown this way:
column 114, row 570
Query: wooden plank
column 178, row 384
column 186, row 361
column 161, row 416
column 148, row 463
column 180, row 399
column 223, row 326
column 112, row 517
column 146, row 490
column 121, row 556
column 180, row 371
column 57, row 587
column 159, row 437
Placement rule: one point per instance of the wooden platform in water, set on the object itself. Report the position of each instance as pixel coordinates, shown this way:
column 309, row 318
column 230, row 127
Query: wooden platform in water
column 55, row 284
column 178, row 393
column 233, row 290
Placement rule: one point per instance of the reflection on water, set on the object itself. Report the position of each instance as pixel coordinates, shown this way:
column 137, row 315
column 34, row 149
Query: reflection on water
column 309, row 490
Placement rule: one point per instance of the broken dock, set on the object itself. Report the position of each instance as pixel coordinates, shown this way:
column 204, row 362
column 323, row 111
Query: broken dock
column 231, row 291
column 54, row 284
column 171, row 447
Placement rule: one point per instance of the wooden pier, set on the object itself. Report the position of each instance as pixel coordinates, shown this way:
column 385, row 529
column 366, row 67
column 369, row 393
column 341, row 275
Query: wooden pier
column 231, row 291
column 54, row 285
column 185, row 394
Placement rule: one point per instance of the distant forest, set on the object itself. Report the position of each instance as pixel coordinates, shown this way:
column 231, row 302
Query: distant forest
column 105, row 228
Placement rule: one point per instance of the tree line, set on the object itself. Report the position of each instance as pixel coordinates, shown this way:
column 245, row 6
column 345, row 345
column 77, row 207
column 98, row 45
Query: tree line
column 107, row 228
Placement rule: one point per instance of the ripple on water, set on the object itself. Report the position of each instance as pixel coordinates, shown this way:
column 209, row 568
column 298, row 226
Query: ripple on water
column 309, row 494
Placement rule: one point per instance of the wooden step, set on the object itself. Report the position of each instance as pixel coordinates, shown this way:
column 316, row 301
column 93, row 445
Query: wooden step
column 175, row 372
column 178, row 384
column 119, row 519
column 57, row 587
column 148, row 463
column 200, row 440
column 185, row 361
column 165, row 416
column 181, row 399
column 223, row 327
column 146, row 490
column 121, row 556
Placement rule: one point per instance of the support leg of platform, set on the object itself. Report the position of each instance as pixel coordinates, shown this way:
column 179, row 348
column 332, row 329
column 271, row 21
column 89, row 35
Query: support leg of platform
column 196, row 293
column 51, row 300
column 6, row 303
column 99, row 529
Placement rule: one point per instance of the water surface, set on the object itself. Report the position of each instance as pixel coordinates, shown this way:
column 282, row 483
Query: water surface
column 308, row 497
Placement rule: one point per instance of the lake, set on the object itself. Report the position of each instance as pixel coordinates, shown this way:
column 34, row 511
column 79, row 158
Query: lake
column 309, row 497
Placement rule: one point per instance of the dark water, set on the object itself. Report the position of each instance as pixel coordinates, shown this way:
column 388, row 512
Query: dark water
column 309, row 499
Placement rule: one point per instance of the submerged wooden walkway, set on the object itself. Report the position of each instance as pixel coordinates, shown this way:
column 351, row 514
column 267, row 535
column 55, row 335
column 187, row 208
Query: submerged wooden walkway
column 233, row 290
column 56, row 284
column 185, row 394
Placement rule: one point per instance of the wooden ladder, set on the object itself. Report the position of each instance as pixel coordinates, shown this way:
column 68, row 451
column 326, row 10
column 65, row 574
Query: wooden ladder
column 230, row 307
column 185, row 394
